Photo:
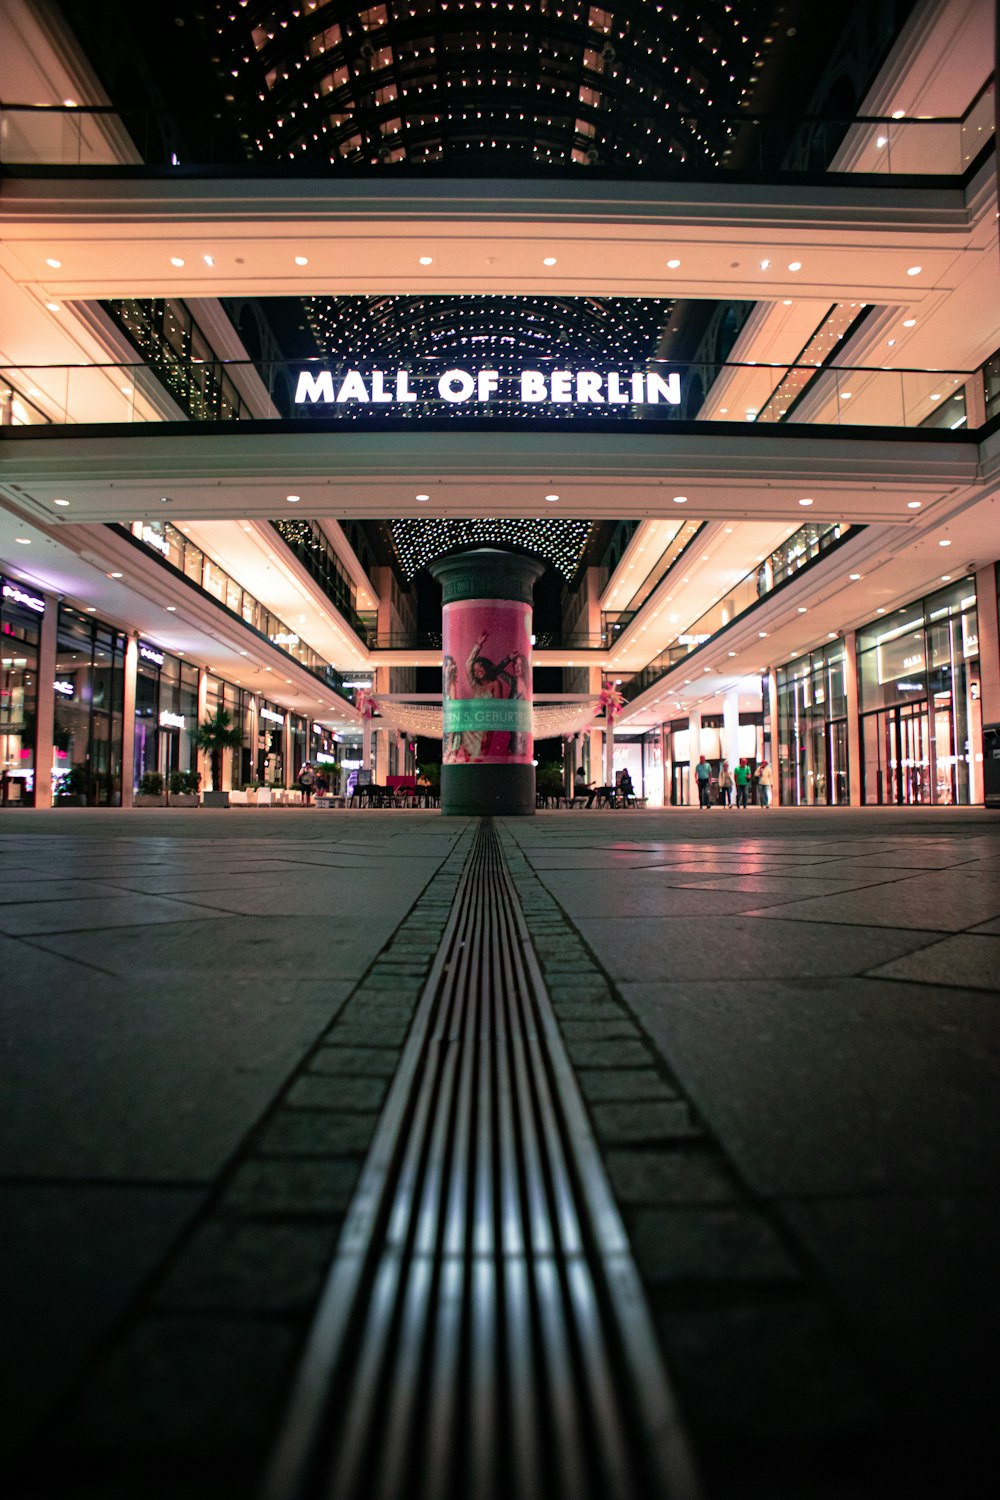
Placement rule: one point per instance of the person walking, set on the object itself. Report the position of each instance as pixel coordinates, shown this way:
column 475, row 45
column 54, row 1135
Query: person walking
column 726, row 785
column 764, row 784
column 703, row 776
column 741, row 775
column 307, row 780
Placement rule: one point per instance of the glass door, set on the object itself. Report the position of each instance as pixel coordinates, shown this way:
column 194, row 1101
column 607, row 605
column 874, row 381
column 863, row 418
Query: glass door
column 838, row 785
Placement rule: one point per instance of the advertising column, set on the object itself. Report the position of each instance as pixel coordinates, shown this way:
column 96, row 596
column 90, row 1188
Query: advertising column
column 487, row 752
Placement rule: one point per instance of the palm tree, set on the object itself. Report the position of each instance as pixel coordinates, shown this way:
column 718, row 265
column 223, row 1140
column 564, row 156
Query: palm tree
column 216, row 735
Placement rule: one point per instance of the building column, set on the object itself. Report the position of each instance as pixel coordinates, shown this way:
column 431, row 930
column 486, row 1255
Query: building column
column 989, row 677
column 128, row 720
column 202, row 762
column 694, row 751
column 46, row 700
column 853, row 718
column 488, row 746
column 254, row 735
column 772, row 729
column 609, row 750
column 286, row 749
column 731, row 728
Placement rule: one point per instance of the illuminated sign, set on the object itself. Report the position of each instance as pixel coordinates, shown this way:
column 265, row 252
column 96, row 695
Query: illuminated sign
column 693, row 640
column 268, row 713
column 529, row 387
column 65, row 689
column 171, row 721
column 30, row 601
column 284, row 638
column 150, row 653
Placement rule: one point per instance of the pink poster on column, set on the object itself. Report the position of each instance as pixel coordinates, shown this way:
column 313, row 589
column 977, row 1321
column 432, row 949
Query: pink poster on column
column 486, row 682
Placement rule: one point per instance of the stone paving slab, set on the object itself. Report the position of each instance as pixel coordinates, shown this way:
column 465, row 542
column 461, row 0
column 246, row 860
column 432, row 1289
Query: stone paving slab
column 969, row 959
column 838, row 1086
column 645, row 948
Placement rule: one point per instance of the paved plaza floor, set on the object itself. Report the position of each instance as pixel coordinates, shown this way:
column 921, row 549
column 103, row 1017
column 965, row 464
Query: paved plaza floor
column 785, row 1028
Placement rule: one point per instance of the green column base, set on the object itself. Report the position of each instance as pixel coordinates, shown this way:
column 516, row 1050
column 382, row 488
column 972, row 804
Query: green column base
column 488, row 791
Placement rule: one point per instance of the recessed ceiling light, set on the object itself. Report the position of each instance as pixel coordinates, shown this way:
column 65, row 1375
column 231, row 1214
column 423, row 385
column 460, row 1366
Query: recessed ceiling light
column 91, row 609
column 909, row 322
column 764, row 264
column 293, row 499
column 803, row 610
column 913, row 504
column 795, row 265
column 171, row 609
column 831, row 635
column 60, row 502
column 55, row 264
column 899, row 114
column 914, row 270
column 25, row 541
column 880, row 610
column 786, row 302
column 53, row 306
column 175, row 260
column 762, row 634
column 732, row 653
column 209, row 260
column 182, row 653
column 114, row 575
column 945, row 577
column 945, row 542
column 244, row 653
column 854, row 577
column 302, row 260
column 427, row 260
column 422, row 498
column 552, row 497
column 549, row 260
column 846, row 395
column 882, row 140
column 673, row 265
column 805, row 500
column 936, row 396
column 680, row 499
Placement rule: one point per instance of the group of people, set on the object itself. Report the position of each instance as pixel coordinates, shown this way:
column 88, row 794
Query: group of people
column 737, row 779
column 603, row 794
column 312, row 780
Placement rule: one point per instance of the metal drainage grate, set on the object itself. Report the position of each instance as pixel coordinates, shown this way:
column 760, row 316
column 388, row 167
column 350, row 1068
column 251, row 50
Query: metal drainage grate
column 483, row 1334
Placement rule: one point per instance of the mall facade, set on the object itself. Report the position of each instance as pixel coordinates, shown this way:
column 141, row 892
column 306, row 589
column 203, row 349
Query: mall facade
column 739, row 389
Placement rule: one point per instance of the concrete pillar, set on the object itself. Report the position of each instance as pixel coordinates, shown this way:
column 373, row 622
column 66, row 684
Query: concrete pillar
column 128, row 721
column 254, row 735
column 731, row 728
column 772, row 705
column 853, row 718
column 694, row 751
column 46, row 704
column 989, row 644
column 488, row 746
column 609, row 750
column 203, row 764
column 286, row 750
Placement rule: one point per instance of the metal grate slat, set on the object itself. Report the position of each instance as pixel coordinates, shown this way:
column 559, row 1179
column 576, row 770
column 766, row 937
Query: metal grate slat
column 482, row 1331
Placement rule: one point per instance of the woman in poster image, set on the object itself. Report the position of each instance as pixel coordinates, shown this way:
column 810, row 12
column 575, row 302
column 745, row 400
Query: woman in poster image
column 484, row 682
column 513, row 670
column 453, row 749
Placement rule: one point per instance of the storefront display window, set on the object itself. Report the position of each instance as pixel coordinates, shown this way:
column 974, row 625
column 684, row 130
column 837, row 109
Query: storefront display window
column 21, row 610
column 87, row 731
column 918, row 675
column 812, row 729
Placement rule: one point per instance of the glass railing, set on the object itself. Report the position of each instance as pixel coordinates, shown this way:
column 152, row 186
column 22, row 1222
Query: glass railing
column 431, row 640
column 318, row 557
column 170, row 546
column 89, row 137
column 437, row 390
column 803, row 547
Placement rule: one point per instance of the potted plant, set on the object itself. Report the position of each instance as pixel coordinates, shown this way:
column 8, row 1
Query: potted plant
column 184, row 788
column 215, row 736
column 150, row 791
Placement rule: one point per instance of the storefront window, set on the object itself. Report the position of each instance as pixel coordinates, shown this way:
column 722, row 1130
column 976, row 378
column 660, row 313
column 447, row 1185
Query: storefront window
column 917, row 673
column 21, row 610
column 87, row 731
column 812, row 729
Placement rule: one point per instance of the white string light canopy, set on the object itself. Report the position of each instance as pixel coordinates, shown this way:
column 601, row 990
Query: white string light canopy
column 549, row 720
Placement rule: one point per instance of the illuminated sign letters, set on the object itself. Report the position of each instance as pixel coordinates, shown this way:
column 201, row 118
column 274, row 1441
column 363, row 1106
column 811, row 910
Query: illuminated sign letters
column 29, row 601
column 268, row 713
column 528, row 387
column 150, row 654
column 171, row 721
